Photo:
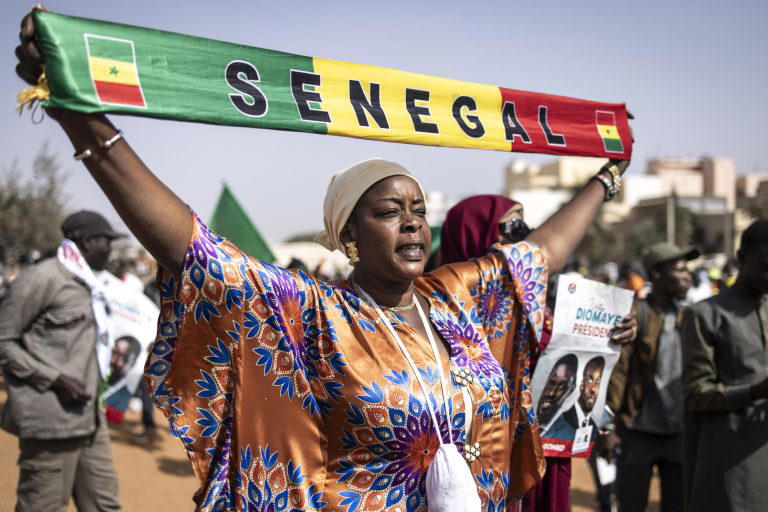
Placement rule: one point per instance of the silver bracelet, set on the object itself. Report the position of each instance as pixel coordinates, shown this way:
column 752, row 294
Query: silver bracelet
column 111, row 142
column 88, row 152
column 82, row 156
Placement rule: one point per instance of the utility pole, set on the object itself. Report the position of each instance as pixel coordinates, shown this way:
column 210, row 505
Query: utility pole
column 728, row 230
column 671, row 204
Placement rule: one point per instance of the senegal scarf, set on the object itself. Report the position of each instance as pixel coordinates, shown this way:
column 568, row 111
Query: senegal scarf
column 96, row 66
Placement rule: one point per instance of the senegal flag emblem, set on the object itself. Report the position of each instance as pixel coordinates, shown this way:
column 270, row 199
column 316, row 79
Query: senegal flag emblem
column 606, row 127
column 115, row 77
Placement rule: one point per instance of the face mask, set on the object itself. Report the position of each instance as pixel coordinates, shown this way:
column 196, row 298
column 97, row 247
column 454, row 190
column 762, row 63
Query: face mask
column 514, row 230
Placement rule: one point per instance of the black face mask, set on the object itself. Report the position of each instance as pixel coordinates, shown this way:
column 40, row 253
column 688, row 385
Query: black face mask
column 514, row 230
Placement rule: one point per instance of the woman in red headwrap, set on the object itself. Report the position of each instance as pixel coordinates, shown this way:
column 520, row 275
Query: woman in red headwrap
column 471, row 227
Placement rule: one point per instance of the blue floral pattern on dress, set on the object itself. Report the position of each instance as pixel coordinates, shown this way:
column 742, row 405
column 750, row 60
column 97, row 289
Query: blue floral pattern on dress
column 288, row 394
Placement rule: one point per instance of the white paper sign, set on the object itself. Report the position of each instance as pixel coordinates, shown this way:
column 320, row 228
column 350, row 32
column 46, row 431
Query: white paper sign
column 133, row 320
column 571, row 377
column 606, row 471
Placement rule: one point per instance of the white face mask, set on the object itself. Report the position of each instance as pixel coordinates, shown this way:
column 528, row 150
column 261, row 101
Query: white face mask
column 449, row 483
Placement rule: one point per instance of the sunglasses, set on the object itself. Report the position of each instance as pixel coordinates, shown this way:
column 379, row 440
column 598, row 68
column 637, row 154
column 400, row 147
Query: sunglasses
column 514, row 230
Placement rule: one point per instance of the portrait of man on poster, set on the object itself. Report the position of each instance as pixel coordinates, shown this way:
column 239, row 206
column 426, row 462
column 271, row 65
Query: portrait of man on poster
column 580, row 414
column 561, row 382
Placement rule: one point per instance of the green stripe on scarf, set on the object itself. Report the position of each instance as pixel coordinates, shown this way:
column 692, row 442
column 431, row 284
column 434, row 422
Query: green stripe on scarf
column 182, row 77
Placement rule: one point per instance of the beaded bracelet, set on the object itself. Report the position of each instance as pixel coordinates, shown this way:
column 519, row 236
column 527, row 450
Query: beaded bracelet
column 610, row 189
column 616, row 175
column 611, row 182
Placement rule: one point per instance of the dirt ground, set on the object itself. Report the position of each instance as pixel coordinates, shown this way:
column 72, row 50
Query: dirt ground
column 159, row 477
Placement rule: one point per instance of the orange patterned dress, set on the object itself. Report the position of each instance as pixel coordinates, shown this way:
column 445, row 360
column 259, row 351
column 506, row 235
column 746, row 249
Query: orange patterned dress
column 288, row 394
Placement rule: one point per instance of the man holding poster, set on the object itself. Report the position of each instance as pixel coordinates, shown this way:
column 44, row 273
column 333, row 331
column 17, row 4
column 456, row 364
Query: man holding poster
column 569, row 384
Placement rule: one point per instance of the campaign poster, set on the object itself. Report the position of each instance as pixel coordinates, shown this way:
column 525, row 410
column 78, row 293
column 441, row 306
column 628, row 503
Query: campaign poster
column 133, row 321
column 571, row 378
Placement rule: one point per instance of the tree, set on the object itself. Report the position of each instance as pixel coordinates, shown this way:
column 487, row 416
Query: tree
column 31, row 210
column 599, row 237
column 597, row 242
column 685, row 226
column 641, row 233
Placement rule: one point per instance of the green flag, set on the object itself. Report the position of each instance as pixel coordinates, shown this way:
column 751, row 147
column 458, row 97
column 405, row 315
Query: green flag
column 437, row 232
column 230, row 221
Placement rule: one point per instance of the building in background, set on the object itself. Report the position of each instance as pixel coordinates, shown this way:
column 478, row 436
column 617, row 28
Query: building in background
column 539, row 188
column 542, row 189
column 317, row 258
column 703, row 177
column 705, row 222
column 749, row 184
column 683, row 200
column 697, row 202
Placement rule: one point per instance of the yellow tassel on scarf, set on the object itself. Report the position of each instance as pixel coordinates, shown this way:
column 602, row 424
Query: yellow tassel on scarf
column 32, row 95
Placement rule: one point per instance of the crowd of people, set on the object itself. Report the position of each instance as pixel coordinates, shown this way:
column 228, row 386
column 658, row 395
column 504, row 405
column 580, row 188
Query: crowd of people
column 396, row 387
column 678, row 366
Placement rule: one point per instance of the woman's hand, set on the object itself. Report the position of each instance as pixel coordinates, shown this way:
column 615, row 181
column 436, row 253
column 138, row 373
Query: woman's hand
column 30, row 57
column 559, row 236
column 153, row 213
column 31, row 64
column 625, row 331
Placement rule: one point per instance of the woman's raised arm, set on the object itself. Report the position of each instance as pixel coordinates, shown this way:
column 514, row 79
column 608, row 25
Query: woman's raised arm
column 153, row 213
column 559, row 236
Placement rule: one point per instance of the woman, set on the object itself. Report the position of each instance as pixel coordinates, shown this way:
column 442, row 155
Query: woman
column 291, row 393
column 474, row 224
column 470, row 228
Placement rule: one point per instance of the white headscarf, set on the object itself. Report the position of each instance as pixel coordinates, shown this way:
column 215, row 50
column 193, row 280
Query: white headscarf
column 345, row 190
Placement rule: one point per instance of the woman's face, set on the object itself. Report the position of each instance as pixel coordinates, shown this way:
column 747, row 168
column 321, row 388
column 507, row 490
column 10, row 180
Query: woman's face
column 390, row 227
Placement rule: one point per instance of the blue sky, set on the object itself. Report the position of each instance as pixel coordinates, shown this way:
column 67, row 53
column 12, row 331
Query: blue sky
column 694, row 73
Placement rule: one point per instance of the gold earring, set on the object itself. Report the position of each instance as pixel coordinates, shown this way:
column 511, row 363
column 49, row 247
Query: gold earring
column 352, row 252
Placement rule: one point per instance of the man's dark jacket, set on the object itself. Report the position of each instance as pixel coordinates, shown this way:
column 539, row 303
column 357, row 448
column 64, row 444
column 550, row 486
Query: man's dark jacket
column 634, row 372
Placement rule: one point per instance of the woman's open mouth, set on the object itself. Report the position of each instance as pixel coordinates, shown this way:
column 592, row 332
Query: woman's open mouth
column 411, row 252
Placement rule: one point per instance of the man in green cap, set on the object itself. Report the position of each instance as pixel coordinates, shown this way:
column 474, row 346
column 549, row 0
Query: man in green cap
column 644, row 389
